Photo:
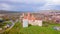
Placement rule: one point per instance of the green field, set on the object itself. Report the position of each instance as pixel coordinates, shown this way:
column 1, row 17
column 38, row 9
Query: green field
column 17, row 29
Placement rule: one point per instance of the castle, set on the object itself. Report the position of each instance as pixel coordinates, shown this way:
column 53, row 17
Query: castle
column 30, row 19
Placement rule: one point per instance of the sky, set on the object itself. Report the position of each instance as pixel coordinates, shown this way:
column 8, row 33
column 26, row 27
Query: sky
column 29, row 5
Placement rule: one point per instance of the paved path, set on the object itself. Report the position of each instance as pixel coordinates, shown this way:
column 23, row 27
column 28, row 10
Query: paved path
column 13, row 23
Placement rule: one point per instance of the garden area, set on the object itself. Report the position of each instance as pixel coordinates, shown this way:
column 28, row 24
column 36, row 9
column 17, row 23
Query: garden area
column 5, row 25
column 45, row 29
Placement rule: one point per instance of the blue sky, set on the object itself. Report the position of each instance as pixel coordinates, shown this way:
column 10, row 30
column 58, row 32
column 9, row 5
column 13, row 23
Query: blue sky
column 29, row 5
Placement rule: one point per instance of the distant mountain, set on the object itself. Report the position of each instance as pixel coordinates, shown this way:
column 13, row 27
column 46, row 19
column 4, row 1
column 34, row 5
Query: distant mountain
column 5, row 11
column 46, row 11
column 41, row 11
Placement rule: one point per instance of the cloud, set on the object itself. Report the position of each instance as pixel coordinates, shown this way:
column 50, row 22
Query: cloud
column 29, row 5
column 54, row 2
column 25, row 1
column 34, row 1
column 50, row 5
column 5, row 6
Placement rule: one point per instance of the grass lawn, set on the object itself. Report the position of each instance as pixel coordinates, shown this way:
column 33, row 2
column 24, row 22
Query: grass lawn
column 17, row 29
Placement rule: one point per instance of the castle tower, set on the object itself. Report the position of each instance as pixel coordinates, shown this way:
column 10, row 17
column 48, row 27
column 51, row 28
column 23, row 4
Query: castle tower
column 23, row 14
column 32, row 18
column 28, row 16
column 25, row 21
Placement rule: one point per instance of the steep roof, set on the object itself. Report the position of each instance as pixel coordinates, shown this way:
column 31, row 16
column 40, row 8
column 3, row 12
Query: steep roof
column 31, row 17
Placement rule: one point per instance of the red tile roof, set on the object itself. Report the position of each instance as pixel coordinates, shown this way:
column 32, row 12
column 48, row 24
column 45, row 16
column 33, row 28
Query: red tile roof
column 31, row 17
